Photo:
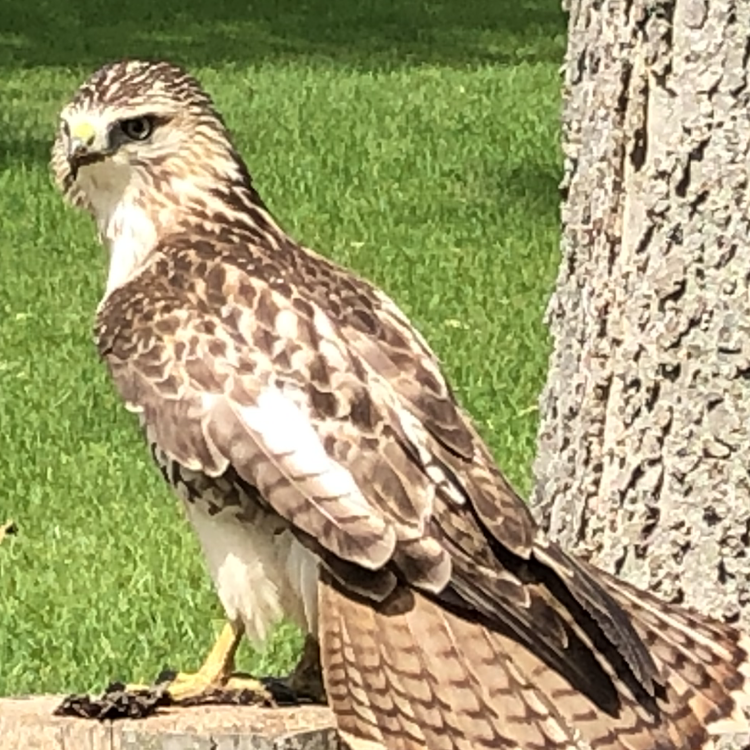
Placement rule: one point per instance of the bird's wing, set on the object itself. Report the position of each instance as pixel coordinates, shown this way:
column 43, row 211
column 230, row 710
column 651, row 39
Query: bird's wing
column 385, row 343
column 322, row 395
column 263, row 381
column 495, row 518
column 382, row 479
column 228, row 368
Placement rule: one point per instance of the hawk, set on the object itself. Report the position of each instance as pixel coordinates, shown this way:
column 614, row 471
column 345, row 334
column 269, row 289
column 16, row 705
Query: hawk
column 331, row 476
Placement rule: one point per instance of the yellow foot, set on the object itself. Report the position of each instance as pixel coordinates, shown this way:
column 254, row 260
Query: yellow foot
column 197, row 686
column 215, row 678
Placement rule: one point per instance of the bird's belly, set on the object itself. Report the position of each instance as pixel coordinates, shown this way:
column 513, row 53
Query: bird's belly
column 261, row 572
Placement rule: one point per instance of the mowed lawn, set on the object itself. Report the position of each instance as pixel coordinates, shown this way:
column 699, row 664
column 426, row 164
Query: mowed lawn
column 415, row 141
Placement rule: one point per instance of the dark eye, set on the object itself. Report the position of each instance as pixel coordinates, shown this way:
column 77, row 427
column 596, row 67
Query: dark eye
column 137, row 129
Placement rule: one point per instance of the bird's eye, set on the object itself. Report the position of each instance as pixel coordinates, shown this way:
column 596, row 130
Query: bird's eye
column 137, row 129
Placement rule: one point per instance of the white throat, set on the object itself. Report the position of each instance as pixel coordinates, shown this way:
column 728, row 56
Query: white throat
column 130, row 234
column 125, row 226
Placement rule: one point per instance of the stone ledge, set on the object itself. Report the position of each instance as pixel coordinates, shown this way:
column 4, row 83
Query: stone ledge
column 28, row 724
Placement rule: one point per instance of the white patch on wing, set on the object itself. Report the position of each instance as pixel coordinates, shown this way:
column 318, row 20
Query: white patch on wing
column 414, row 431
column 261, row 572
column 288, row 435
column 306, row 485
column 287, row 324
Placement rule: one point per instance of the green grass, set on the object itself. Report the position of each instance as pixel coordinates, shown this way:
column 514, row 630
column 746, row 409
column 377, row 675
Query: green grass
column 415, row 141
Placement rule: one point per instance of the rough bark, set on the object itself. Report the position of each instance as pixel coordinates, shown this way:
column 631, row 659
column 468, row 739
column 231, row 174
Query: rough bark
column 644, row 443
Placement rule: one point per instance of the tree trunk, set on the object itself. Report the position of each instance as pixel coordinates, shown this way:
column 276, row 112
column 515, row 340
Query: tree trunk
column 644, row 442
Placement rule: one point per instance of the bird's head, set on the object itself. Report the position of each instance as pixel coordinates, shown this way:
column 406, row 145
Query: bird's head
column 138, row 126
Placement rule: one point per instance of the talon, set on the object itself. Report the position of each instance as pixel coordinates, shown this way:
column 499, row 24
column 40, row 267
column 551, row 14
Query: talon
column 215, row 672
column 216, row 680
column 213, row 677
column 131, row 687
column 197, row 687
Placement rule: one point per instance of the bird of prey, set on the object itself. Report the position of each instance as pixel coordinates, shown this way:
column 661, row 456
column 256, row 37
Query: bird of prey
column 331, row 476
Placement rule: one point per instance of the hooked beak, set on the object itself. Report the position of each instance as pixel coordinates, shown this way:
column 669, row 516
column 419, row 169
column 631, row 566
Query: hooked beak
column 84, row 147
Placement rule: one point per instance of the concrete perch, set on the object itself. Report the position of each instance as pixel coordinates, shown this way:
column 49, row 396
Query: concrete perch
column 28, row 724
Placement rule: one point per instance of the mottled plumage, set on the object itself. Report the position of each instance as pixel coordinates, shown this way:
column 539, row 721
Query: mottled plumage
column 331, row 475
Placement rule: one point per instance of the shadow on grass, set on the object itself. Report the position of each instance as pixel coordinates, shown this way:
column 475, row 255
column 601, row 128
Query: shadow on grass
column 535, row 187
column 371, row 34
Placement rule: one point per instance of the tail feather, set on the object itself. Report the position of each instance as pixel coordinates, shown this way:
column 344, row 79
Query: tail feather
column 388, row 690
column 411, row 674
column 710, row 660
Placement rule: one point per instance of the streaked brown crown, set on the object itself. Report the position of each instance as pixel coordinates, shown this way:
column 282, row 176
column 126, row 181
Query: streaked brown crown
column 133, row 84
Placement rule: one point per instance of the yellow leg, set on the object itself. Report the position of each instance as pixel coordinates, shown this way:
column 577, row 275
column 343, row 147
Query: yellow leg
column 216, row 674
column 217, row 680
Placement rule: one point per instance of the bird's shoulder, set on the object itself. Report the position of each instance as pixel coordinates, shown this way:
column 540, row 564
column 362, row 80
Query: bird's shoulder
column 231, row 290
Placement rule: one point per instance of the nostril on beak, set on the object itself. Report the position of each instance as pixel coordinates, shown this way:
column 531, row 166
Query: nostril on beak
column 79, row 145
column 82, row 136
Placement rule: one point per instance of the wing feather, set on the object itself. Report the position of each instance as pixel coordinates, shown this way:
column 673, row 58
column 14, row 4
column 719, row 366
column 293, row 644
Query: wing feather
column 371, row 467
